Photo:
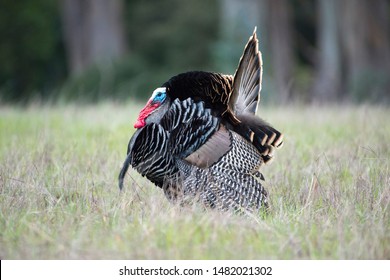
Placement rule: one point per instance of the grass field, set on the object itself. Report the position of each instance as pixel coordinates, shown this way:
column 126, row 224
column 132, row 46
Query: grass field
column 329, row 190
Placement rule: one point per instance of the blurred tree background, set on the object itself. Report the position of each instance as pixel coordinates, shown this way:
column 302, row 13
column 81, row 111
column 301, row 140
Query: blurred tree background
column 314, row 51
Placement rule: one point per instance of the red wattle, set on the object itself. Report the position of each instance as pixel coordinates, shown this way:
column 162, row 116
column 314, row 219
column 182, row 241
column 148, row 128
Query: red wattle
column 139, row 123
column 145, row 112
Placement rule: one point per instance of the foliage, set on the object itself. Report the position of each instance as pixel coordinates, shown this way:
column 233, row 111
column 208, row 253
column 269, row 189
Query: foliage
column 59, row 199
column 173, row 35
column 31, row 50
column 163, row 41
column 167, row 37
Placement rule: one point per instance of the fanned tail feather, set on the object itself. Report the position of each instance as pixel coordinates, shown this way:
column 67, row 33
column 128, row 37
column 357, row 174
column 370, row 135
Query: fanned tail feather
column 247, row 80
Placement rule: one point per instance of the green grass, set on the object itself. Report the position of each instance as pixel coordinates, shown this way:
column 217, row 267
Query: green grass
column 329, row 190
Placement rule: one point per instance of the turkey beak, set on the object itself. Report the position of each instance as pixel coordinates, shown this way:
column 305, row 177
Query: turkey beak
column 123, row 172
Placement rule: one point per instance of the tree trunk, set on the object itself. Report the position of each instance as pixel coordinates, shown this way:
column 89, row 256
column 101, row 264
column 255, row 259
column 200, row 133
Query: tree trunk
column 281, row 44
column 238, row 20
column 329, row 75
column 365, row 37
column 94, row 32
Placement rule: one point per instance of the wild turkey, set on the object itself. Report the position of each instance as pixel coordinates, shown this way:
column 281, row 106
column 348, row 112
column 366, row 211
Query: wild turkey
column 198, row 136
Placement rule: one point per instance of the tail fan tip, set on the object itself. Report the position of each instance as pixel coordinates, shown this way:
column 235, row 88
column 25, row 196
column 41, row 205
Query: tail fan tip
column 254, row 35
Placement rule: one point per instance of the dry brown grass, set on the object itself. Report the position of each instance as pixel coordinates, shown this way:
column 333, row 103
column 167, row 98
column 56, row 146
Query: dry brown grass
column 329, row 188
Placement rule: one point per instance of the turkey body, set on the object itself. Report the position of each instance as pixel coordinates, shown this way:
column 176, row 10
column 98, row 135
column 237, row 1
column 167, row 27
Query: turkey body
column 199, row 139
column 191, row 155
